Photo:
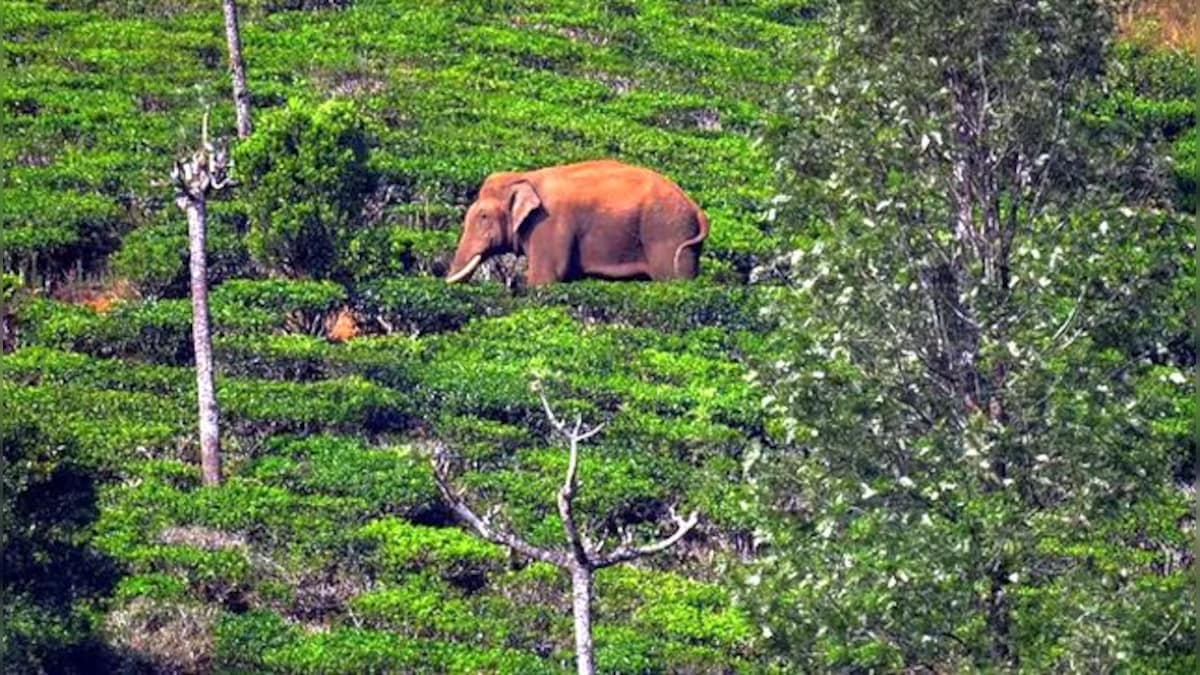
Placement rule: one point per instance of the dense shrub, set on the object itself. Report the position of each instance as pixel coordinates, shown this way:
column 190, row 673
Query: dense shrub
column 397, row 546
column 357, row 650
column 39, row 365
column 52, row 577
column 267, row 406
column 276, row 357
column 307, row 175
column 303, row 305
column 388, row 480
column 45, row 232
column 107, row 427
column 1187, row 168
column 328, row 549
column 161, row 330
column 386, row 251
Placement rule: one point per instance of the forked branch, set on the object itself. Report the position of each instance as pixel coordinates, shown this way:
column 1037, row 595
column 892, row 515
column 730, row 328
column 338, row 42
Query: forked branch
column 441, row 465
column 583, row 551
column 627, row 553
column 583, row 557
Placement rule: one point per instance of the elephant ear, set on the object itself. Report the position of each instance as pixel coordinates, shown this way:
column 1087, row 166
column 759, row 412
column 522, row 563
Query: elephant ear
column 524, row 201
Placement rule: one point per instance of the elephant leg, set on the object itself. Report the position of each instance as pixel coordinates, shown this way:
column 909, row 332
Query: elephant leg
column 546, row 270
column 626, row 270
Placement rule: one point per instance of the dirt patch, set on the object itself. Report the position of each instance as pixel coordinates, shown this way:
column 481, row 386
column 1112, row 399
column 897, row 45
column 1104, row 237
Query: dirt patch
column 349, row 84
column 1164, row 23
column 206, row 538
column 96, row 295
column 322, row 596
column 341, row 326
column 618, row 84
column 573, row 33
column 175, row 637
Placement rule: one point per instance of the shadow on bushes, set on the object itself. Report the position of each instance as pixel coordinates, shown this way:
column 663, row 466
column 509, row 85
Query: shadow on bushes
column 52, row 578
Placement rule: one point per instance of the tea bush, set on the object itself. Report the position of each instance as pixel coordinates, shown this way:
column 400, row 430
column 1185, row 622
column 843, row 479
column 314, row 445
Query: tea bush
column 386, row 479
column 1187, row 168
column 418, row 305
column 675, row 306
column 154, row 256
column 160, row 331
column 47, row 502
column 275, row 357
column 271, row 406
column 397, row 546
column 357, row 650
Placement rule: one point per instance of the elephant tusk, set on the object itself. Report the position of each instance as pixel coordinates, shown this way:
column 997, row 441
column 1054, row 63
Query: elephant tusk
column 465, row 271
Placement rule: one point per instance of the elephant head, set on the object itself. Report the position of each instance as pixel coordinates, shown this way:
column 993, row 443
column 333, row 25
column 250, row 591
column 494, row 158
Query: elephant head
column 493, row 222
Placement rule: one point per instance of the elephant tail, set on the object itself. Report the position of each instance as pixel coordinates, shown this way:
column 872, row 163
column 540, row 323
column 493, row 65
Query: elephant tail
column 694, row 241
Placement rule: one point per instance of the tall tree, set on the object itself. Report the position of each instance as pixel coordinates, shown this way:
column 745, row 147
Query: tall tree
column 237, row 68
column 962, row 379
column 194, row 179
column 583, row 556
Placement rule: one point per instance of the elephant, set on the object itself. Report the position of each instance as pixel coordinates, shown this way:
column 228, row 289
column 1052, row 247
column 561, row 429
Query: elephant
column 601, row 219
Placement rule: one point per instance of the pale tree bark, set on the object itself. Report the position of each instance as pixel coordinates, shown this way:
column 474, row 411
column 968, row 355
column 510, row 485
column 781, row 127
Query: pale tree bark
column 237, row 68
column 581, row 609
column 582, row 557
column 194, row 178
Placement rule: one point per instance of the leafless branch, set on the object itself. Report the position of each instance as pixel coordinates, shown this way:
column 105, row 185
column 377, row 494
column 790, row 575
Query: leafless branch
column 626, row 553
column 584, row 558
column 441, row 466
column 566, row 497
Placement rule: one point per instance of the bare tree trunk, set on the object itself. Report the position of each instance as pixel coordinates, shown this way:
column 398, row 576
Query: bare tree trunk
column 194, row 178
column 237, row 67
column 581, row 601
column 210, row 440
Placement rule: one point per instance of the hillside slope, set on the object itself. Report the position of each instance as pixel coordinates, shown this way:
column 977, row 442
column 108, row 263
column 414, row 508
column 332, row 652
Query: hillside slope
column 328, row 549
column 99, row 102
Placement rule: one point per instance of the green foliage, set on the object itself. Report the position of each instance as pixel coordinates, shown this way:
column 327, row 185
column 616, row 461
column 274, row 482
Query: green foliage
column 1187, row 168
column 161, row 330
column 387, row 480
column 43, row 232
column 387, row 251
column 674, row 306
column 154, row 256
column 417, row 305
column 307, row 177
column 329, row 550
column 398, row 546
column 358, row 650
column 981, row 420
column 344, row 403
column 47, row 501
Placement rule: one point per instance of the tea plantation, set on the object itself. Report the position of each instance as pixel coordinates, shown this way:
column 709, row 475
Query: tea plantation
column 328, row 548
